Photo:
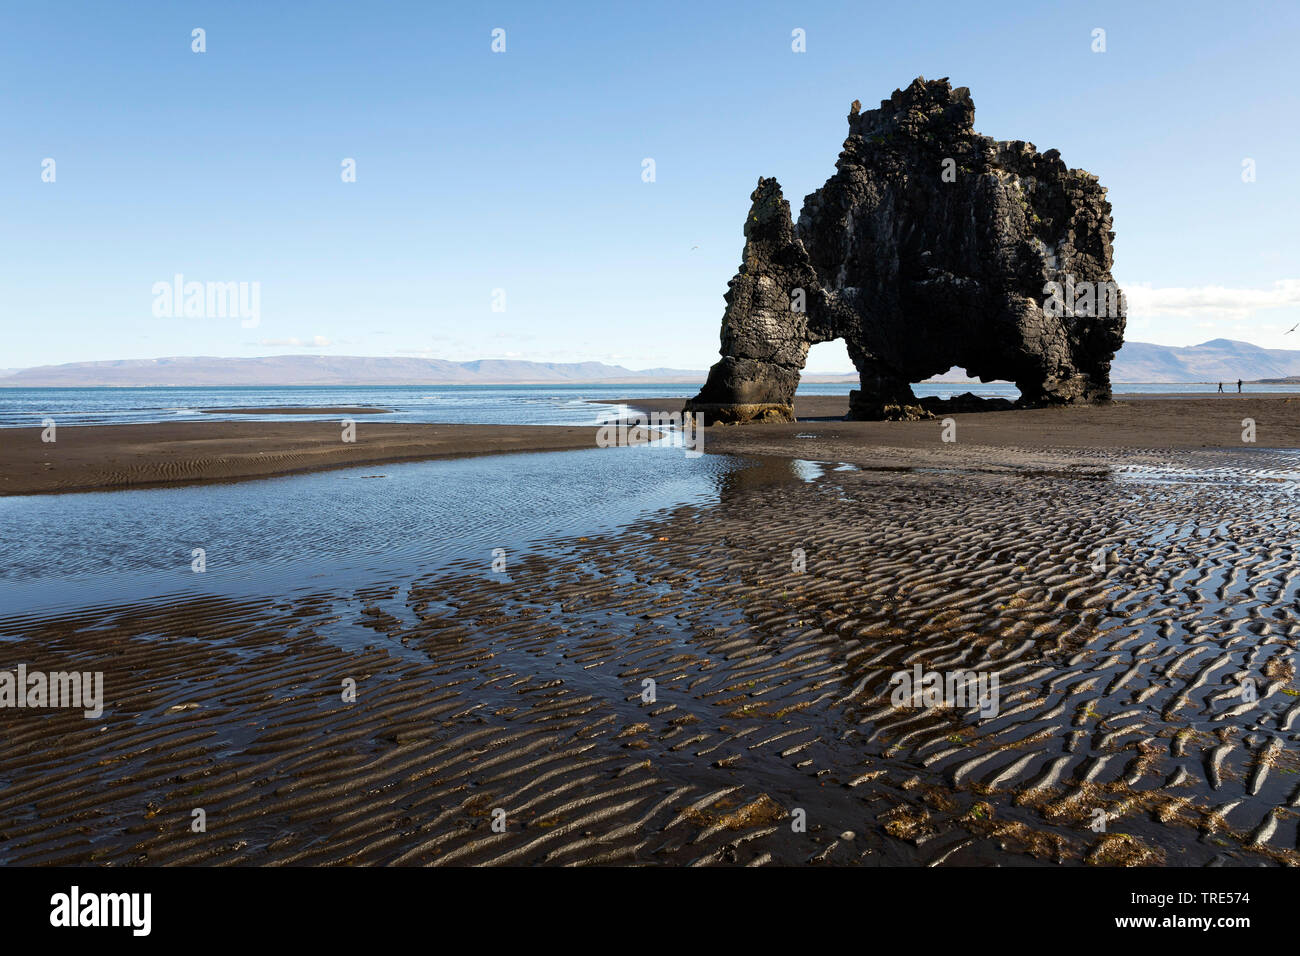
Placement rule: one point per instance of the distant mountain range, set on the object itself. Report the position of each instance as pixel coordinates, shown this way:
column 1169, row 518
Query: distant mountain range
column 1217, row 360
column 330, row 370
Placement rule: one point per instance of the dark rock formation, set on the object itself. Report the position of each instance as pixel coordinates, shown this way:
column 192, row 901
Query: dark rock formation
column 965, row 402
column 931, row 247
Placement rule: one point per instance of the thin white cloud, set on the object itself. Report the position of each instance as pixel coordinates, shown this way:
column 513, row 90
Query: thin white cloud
column 1211, row 301
column 317, row 341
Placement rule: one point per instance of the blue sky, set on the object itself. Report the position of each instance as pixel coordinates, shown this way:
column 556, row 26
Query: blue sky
column 521, row 170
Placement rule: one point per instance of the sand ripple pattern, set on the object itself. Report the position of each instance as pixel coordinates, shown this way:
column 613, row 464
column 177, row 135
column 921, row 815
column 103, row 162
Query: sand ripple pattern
column 1124, row 690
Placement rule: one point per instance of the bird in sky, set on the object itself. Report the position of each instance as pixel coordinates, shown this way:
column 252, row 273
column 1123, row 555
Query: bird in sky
column 1292, row 329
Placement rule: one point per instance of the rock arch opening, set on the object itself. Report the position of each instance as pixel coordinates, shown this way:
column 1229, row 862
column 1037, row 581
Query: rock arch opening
column 931, row 247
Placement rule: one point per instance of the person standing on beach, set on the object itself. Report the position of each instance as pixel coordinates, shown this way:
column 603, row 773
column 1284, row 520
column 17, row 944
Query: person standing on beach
column 1220, row 386
column 1238, row 386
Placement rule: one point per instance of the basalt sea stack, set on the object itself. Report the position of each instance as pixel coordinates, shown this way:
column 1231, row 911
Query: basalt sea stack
column 931, row 247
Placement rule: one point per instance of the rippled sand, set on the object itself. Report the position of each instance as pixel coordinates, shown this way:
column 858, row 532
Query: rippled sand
column 1121, row 689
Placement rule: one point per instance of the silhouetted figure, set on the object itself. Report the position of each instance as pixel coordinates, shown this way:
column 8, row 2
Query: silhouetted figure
column 1221, row 387
column 1238, row 386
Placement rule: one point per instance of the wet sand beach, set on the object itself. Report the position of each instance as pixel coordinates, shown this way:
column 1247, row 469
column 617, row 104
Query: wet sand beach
column 1146, row 421
column 1138, row 602
column 103, row 457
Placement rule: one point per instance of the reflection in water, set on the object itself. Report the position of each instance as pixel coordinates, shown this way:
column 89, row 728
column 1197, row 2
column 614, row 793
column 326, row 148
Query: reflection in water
column 341, row 530
column 760, row 472
column 334, row 530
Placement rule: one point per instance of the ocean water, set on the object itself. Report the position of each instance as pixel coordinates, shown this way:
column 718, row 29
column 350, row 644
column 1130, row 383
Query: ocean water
column 452, row 404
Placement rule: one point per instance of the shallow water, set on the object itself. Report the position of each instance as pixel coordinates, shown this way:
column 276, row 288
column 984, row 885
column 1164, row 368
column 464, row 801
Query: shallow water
column 336, row 530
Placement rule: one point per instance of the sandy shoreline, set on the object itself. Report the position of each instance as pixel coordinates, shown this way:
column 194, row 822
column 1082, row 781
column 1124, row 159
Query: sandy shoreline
column 107, row 457
column 1155, row 421
column 1121, row 689
column 770, row 623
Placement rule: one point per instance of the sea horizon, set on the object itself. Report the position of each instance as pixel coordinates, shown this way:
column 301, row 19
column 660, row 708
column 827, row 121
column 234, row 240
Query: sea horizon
column 510, row 404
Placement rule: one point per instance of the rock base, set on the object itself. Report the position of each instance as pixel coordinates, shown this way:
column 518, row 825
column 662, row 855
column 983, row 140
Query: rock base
column 736, row 414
